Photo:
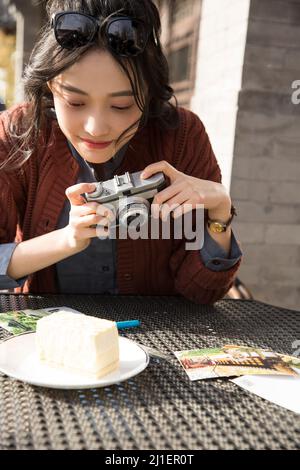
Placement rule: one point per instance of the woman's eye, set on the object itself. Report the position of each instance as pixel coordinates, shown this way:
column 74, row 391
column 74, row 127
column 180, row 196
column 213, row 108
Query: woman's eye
column 118, row 108
column 75, row 105
column 122, row 108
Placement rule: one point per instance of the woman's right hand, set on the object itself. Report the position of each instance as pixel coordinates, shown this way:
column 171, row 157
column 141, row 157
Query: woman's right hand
column 83, row 215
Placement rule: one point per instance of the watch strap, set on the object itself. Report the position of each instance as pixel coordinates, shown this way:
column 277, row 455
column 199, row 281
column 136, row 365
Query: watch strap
column 223, row 225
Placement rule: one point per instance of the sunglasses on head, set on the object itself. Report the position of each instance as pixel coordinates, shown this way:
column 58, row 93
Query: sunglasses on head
column 123, row 35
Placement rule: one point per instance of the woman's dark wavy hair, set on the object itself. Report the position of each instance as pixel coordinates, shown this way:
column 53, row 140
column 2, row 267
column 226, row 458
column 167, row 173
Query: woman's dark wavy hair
column 49, row 59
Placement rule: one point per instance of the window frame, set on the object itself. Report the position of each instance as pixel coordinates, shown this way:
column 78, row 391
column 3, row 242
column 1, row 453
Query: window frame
column 182, row 33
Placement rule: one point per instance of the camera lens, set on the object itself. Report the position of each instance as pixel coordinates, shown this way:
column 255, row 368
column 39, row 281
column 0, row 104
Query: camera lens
column 135, row 209
column 131, row 218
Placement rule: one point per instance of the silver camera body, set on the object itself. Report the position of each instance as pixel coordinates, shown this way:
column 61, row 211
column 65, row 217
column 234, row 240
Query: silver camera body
column 129, row 196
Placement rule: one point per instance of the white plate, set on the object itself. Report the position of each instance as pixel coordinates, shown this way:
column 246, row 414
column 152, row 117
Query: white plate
column 19, row 359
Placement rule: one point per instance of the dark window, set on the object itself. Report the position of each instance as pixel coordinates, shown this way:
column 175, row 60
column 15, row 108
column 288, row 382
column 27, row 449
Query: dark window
column 179, row 64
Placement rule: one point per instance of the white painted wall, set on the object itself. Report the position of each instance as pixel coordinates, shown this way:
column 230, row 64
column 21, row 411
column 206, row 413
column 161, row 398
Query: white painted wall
column 3, row 84
column 19, row 88
column 222, row 40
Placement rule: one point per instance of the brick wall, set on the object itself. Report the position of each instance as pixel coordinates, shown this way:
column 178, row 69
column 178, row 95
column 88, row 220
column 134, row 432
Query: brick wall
column 248, row 58
column 266, row 164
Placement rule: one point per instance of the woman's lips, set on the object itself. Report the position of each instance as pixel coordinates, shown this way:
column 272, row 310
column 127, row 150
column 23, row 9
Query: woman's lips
column 96, row 145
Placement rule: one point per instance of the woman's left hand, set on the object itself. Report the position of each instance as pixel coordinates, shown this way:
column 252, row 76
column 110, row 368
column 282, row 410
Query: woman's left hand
column 186, row 192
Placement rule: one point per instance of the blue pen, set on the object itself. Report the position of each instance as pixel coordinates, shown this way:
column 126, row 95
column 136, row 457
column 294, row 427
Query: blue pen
column 128, row 324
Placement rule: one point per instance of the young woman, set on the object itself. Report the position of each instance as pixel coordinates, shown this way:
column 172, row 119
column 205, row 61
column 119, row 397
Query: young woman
column 99, row 104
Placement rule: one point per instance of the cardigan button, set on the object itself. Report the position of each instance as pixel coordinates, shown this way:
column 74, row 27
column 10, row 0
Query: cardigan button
column 216, row 262
column 128, row 277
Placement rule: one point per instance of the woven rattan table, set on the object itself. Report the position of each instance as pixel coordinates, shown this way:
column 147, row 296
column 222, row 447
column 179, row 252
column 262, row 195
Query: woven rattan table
column 160, row 408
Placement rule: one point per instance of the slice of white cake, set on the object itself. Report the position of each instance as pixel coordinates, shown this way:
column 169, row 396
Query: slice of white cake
column 78, row 343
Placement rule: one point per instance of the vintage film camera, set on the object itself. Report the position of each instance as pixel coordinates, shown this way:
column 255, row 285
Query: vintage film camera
column 128, row 196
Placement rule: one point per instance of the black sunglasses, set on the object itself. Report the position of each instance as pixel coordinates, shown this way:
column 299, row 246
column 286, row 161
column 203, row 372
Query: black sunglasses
column 123, row 35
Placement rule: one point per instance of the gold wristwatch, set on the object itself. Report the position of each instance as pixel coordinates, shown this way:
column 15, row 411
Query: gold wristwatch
column 216, row 226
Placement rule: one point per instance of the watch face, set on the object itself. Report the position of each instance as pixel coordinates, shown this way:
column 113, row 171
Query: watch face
column 217, row 227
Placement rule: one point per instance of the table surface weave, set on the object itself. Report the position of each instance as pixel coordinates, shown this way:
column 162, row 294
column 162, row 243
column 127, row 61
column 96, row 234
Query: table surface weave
column 160, row 408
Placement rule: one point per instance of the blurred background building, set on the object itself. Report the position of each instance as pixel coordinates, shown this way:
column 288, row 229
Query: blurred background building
column 7, row 53
column 233, row 63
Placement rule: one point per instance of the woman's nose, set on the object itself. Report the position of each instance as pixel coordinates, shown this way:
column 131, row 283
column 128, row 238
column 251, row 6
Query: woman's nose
column 97, row 126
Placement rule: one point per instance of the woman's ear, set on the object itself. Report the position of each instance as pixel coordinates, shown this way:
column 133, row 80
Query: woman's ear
column 50, row 86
